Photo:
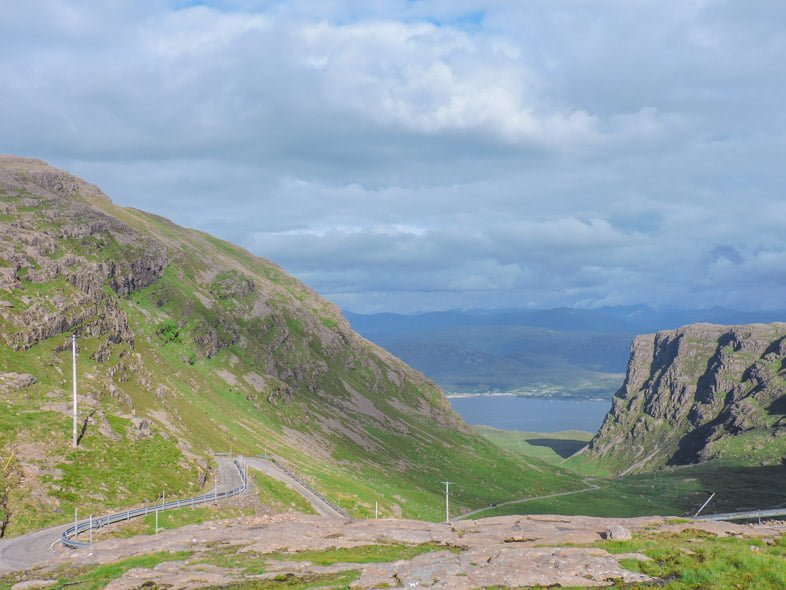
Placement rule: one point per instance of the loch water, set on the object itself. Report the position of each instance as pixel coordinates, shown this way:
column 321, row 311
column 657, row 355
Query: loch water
column 531, row 414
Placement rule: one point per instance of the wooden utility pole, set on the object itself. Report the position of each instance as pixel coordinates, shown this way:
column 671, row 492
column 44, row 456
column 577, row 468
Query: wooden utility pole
column 447, row 501
column 73, row 351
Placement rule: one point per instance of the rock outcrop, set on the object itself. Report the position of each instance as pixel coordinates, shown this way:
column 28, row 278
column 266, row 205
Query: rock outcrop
column 55, row 236
column 698, row 393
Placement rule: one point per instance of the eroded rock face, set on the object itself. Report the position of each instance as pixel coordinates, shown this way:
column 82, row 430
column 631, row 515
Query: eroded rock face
column 688, row 390
column 81, row 258
column 141, row 428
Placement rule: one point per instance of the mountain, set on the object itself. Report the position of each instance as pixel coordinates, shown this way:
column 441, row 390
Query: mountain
column 189, row 345
column 645, row 319
column 561, row 351
column 699, row 393
column 554, row 352
column 558, row 319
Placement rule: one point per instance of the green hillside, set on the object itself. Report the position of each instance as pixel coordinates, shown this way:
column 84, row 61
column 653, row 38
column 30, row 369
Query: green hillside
column 189, row 345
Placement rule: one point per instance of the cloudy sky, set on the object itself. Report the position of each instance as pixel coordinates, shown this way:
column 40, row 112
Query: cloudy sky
column 413, row 155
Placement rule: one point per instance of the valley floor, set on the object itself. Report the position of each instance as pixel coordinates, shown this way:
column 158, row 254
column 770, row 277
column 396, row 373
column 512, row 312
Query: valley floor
column 678, row 491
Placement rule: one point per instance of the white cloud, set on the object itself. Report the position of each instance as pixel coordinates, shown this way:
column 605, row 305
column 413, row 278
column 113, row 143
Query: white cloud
column 431, row 154
column 431, row 80
column 199, row 32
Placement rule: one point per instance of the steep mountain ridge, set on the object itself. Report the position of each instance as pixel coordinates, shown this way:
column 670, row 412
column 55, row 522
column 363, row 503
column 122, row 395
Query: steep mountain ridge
column 698, row 393
column 189, row 345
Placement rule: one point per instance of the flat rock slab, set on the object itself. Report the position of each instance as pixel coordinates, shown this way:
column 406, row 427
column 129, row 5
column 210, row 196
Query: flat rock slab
column 33, row 584
column 512, row 567
column 173, row 574
column 508, row 551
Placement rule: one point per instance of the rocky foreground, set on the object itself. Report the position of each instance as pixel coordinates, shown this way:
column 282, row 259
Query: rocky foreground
column 507, row 552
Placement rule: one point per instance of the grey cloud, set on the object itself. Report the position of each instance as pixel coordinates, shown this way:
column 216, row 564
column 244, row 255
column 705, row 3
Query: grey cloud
column 400, row 155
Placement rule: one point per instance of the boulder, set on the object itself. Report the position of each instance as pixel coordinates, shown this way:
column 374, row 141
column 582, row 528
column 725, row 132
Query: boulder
column 617, row 533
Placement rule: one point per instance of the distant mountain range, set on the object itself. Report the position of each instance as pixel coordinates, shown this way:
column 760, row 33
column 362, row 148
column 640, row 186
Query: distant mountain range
column 561, row 351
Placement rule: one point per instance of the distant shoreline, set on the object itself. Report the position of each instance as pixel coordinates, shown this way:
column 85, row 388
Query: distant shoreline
column 451, row 395
column 565, row 397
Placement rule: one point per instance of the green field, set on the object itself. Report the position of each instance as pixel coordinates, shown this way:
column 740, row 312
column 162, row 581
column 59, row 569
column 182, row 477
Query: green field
column 551, row 447
column 693, row 560
column 672, row 491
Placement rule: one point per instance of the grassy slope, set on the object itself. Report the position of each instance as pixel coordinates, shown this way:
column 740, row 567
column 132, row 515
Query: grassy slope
column 278, row 497
column 692, row 560
column 396, row 453
column 676, row 491
column 551, row 447
column 357, row 478
column 102, row 474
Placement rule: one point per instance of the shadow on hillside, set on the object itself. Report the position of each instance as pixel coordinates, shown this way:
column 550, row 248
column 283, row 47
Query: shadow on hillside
column 563, row 447
column 778, row 407
column 741, row 488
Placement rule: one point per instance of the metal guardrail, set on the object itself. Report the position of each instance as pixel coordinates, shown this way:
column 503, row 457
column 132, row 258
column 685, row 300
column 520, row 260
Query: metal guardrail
column 748, row 515
column 68, row 536
column 298, row 479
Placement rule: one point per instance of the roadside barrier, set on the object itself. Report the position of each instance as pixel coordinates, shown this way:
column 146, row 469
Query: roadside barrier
column 747, row 515
column 68, row 537
column 300, row 480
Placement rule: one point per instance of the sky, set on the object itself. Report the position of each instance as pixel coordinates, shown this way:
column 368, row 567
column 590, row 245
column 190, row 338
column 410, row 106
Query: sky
column 405, row 155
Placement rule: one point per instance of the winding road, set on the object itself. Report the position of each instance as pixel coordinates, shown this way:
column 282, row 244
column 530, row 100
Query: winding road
column 590, row 487
column 26, row 550
column 272, row 469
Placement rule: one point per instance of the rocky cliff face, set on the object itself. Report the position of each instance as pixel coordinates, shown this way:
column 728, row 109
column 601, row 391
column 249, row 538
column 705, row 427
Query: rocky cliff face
column 50, row 235
column 698, row 393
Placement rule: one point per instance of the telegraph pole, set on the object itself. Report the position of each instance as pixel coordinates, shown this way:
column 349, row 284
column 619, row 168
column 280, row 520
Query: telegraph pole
column 73, row 351
column 447, row 502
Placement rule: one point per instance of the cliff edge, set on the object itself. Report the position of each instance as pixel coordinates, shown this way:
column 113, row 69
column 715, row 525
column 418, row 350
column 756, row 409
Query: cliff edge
column 695, row 394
